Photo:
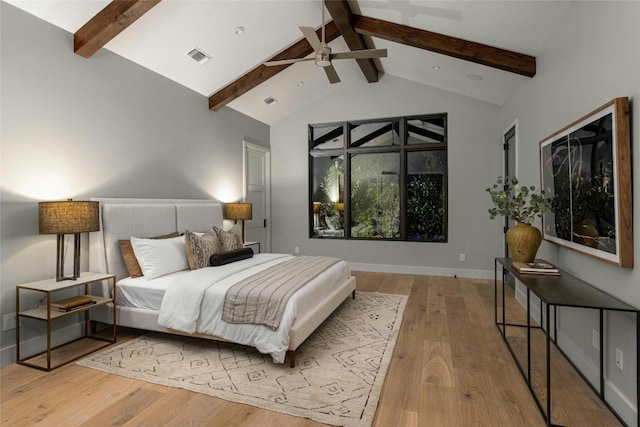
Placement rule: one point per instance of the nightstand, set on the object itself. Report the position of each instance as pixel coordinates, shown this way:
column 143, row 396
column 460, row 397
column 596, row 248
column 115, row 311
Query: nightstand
column 253, row 246
column 59, row 355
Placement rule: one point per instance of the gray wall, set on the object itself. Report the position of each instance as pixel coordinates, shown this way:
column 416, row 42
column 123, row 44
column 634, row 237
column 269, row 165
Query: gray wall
column 100, row 127
column 473, row 161
column 590, row 59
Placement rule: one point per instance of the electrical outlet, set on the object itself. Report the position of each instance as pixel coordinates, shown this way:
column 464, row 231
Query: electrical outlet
column 297, row 249
column 619, row 359
column 8, row 321
column 463, row 257
column 595, row 339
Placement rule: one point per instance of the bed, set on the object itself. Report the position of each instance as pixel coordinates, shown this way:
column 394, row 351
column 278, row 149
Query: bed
column 141, row 302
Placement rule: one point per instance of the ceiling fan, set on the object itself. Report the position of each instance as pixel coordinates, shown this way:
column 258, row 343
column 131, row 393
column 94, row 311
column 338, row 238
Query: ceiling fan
column 323, row 55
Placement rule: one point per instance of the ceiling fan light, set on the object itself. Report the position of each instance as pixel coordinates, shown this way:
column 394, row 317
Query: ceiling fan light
column 323, row 57
column 323, row 62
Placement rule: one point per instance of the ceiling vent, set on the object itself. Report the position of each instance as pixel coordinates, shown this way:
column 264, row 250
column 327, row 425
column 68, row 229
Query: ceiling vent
column 199, row 56
column 270, row 100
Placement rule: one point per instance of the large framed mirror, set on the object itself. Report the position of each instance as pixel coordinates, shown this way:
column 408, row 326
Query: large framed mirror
column 586, row 171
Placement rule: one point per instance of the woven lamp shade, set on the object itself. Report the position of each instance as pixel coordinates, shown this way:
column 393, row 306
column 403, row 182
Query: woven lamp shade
column 68, row 217
column 237, row 211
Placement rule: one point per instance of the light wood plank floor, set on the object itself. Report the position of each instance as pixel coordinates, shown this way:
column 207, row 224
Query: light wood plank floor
column 450, row 368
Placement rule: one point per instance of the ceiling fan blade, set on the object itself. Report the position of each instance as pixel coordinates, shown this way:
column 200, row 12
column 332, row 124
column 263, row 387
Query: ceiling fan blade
column 361, row 54
column 311, row 36
column 332, row 75
column 286, row 61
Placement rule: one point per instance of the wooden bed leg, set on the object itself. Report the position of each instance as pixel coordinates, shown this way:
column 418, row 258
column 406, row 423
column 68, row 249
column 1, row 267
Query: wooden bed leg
column 292, row 358
column 353, row 294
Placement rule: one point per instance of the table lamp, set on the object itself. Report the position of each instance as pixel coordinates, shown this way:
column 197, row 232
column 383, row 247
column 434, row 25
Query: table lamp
column 238, row 212
column 68, row 217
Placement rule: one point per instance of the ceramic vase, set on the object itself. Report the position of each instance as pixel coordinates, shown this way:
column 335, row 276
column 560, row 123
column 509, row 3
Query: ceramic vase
column 524, row 241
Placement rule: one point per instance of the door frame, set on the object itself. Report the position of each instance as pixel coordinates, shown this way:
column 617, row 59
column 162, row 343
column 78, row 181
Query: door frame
column 513, row 171
column 514, row 126
column 246, row 147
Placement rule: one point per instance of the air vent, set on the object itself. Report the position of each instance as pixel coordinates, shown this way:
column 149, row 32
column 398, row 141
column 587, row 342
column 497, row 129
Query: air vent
column 199, row 56
column 270, row 100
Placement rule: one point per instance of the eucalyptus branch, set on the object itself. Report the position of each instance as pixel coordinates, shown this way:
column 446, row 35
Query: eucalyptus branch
column 521, row 203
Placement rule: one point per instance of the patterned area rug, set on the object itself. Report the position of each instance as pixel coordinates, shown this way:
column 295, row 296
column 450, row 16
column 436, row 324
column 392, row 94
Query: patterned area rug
column 337, row 380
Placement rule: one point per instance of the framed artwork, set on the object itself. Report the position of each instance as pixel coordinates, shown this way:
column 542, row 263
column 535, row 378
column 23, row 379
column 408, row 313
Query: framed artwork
column 586, row 171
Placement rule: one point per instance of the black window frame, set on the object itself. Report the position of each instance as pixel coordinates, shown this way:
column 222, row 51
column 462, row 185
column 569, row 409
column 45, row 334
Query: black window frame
column 401, row 126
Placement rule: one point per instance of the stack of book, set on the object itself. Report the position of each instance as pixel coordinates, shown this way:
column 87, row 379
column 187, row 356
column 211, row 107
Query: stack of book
column 73, row 303
column 539, row 267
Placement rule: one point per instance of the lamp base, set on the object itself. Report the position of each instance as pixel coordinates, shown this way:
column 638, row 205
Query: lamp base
column 60, row 258
column 242, row 230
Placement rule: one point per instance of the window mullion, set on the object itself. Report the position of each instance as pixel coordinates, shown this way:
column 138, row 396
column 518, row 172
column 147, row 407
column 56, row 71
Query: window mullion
column 403, row 179
column 346, row 197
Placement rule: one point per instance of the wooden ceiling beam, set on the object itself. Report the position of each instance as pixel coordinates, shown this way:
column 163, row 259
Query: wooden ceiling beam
column 262, row 73
column 108, row 23
column 362, row 26
column 451, row 46
column 342, row 16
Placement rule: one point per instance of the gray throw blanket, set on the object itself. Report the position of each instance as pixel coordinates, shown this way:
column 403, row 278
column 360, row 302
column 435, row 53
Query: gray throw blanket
column 262, row 298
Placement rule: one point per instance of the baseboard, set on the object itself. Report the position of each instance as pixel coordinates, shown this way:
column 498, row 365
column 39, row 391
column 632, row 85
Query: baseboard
column 425, row 271
column 534, row 309
column 574, row 353
column 39, row 343
column 623, row 406
column 7, row 355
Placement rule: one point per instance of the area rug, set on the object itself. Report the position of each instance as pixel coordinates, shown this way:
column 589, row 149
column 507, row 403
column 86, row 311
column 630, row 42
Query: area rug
column 338, row 377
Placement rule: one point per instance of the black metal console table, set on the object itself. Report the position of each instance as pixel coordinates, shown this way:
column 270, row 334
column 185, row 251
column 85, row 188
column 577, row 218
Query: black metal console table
column 565, row 290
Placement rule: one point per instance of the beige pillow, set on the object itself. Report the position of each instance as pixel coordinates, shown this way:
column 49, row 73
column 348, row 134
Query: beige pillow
column 229, row 240
column 200, row 248
column 129, row 257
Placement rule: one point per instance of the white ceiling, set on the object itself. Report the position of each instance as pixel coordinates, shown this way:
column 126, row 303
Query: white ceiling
column 160, row 39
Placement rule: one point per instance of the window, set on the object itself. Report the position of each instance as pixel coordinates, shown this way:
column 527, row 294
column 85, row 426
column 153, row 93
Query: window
column 382, row 179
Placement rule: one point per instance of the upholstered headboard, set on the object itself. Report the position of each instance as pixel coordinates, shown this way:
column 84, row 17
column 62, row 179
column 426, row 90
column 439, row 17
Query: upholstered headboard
column 122, row 218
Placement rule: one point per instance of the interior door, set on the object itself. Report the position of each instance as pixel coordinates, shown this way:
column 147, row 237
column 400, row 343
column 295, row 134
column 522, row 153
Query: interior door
column 257, row 191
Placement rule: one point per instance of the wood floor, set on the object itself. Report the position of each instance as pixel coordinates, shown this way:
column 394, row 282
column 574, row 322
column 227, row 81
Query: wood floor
column 450, row 368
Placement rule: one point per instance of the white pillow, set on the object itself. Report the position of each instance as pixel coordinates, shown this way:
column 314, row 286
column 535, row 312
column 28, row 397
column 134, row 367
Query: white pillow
column 158, row 257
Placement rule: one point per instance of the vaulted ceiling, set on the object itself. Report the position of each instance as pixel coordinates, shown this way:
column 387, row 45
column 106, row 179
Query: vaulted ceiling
column 476, row 48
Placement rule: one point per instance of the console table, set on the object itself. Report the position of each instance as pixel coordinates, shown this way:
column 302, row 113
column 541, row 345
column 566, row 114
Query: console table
column 564, row 290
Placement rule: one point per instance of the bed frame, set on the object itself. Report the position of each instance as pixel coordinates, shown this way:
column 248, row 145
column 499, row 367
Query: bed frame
column 123, row 218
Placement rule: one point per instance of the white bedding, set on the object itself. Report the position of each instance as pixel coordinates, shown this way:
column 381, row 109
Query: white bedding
column 192, row 301
column 140, row 292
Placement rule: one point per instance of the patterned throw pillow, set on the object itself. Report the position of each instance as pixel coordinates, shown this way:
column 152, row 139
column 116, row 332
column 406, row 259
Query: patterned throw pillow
column 229, row 240
column 200, row 248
